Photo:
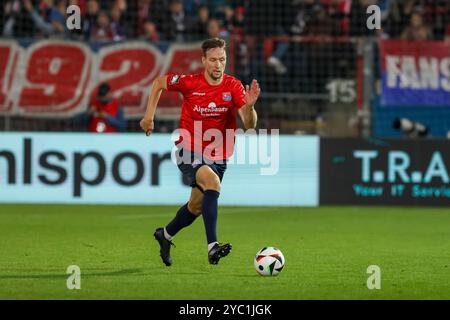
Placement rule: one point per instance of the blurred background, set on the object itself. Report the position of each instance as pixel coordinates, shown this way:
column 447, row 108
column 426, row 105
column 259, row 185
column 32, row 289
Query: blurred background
column 321, row 69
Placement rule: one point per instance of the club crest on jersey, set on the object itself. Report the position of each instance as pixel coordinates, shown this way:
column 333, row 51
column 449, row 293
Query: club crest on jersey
column 226, row 96
column 175, row 79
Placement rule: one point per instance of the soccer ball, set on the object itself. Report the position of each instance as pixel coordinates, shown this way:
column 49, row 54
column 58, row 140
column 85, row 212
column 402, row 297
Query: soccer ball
column 269, row 261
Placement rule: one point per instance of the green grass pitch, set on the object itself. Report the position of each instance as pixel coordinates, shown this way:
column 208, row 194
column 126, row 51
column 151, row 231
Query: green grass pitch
column 327, row 251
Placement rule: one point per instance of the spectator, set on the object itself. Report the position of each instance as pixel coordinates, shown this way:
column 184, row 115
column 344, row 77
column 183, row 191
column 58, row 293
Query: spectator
column 227, row 17
column 56, row 22
column 322, row 24
column 150, row 32
column 90, row 19
column 58, row 17
column 175, row 26
column 142, row 15
column 103, row 30
column 117, row 23
column 339, row 10
column 385, row 8
column 401, row 12
column 41, row 24
column 200, row 25
column 437, row 12
column 322, row 63
column 244, row 46
column 264, row 18
column 121, row 4
column 44, row 7
column 159, row 14
column 215, row 30
column 17, row 20
column 105, row 114
column 191, row 7
column 417, row 30
column 239, row 21
column 302, row 13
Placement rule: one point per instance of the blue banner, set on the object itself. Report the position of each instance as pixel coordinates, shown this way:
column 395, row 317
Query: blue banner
column 415, row 73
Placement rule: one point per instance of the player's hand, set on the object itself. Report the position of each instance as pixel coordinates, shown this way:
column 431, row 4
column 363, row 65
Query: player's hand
column 252, row 93
column 147, row 125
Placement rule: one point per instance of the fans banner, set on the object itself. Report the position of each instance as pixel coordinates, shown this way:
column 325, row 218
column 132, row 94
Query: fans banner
column 415, row 73
column 55, row 78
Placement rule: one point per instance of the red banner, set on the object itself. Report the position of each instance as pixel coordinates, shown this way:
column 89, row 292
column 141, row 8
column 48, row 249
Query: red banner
column 9, row 54
column 58, row 78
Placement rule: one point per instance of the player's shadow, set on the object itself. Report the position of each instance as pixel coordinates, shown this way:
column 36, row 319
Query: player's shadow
column 245, row 275
column 64, row 276
column 193, row 273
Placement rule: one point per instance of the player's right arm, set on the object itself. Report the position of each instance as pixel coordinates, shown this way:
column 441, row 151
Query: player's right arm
column 159, row 84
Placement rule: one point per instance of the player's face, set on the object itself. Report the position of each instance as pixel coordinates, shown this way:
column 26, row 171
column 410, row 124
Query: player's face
column 215, row 62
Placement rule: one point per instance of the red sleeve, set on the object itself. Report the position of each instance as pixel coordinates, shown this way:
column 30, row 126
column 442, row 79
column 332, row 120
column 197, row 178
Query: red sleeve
column 238, row 94
column 177, row 82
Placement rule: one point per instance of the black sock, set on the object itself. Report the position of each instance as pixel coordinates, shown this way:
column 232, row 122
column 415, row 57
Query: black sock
column 183, row 219
column 209, row 212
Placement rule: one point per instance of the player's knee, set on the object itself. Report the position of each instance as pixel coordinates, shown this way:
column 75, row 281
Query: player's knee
column 212, row 183
column 208, row 179
column 195, row 208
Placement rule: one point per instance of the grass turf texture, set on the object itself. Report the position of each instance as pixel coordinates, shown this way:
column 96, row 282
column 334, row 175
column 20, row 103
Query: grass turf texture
column 327, row 253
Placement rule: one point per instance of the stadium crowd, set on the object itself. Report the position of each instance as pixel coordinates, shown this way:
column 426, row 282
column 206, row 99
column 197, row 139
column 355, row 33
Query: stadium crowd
column 187, row 20
column 302, row 69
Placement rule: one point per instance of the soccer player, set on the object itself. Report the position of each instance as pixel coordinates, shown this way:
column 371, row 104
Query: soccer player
column 211, row 102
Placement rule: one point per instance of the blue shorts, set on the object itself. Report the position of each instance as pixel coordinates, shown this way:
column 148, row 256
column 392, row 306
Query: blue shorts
column 193, row 162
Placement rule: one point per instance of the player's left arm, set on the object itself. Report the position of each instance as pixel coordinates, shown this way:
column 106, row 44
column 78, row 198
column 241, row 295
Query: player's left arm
column 248, row 113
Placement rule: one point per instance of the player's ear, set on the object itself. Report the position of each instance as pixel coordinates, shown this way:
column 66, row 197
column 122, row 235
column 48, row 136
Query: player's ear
column 203, row 60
